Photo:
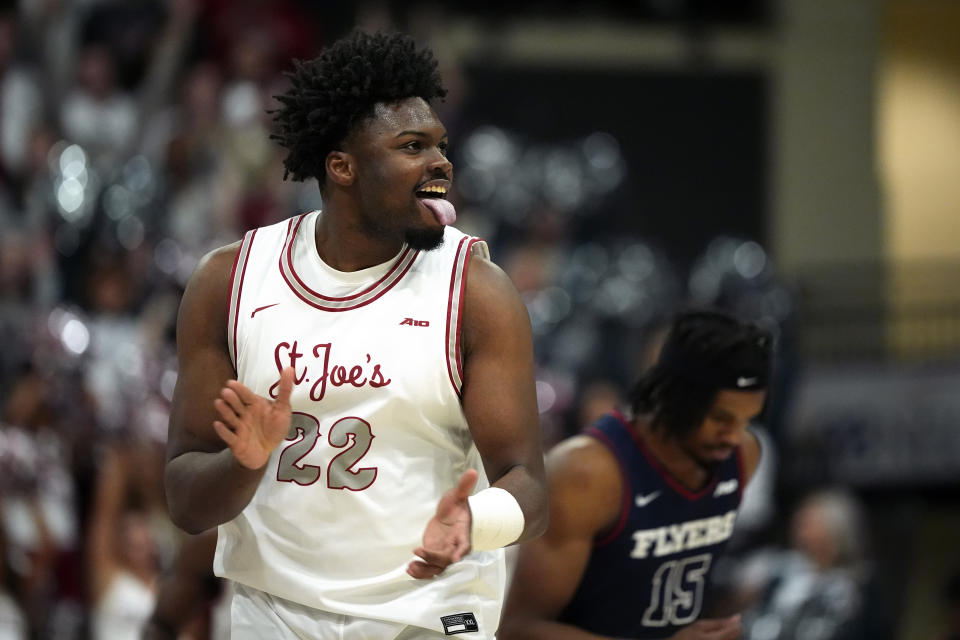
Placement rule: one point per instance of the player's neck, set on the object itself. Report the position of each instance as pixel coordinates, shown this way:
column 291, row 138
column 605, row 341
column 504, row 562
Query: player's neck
column 345, row 246
column 672, row 456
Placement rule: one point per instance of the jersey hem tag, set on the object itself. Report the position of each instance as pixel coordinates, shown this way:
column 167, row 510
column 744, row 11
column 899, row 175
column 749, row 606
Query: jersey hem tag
column 459, row 623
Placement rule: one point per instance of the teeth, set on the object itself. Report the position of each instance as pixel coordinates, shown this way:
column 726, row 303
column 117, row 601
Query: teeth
column 434, row 189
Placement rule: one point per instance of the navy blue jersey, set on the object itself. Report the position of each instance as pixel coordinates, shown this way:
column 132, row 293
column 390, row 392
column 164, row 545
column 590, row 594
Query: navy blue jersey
column 647, row 577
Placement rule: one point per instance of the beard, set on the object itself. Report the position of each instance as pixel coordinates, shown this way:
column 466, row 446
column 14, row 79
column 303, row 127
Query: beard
column 710, row 465
column 706, row 462
column 423, row 239
column 418, row 238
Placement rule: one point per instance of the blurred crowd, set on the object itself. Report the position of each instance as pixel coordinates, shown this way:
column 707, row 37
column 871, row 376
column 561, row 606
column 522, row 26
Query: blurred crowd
column 134, row 138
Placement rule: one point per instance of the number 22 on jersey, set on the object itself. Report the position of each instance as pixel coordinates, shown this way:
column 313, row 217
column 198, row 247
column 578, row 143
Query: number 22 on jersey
column 351, row 434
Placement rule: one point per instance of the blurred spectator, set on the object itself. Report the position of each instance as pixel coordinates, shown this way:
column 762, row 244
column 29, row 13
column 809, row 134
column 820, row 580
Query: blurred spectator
column 124, row 372
column 820, row 589
column 122, row 558
column 38, row 497
column 97, row 113
column 20, row 106
column 114, row 370
column 125, row 59
column 284, row 25
column 193, row 161
column 13, row 624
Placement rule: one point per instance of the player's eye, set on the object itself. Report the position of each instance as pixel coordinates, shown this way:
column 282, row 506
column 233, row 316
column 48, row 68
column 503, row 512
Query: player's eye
column 722, row 418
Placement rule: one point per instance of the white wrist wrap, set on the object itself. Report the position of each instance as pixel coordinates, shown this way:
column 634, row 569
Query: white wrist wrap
column 497, row 519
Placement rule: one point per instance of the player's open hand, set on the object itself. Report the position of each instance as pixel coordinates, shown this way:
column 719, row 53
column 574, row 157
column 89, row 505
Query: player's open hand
column 252, row 425
column 711, row 629
column 447, row 536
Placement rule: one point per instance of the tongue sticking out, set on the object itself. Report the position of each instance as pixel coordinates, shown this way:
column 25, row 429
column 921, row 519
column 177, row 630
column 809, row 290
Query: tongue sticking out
column 442, row 210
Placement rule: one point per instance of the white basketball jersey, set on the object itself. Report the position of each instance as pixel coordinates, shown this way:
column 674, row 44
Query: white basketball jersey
column 378, row 433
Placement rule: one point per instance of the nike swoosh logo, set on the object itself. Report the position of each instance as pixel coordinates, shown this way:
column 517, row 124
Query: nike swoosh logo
column 745, row 382
column 643, row 501
column 725, row 487
column 258, row 309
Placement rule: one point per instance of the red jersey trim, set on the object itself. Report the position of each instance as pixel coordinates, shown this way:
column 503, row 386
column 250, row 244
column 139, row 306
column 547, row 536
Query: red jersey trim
column 236, row 290
column 452, row 341
column 658, row 466
column 346, row 303
column 626, row 492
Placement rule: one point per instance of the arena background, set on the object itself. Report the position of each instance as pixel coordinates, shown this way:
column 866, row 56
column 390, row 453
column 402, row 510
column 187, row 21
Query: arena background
column 794, row 161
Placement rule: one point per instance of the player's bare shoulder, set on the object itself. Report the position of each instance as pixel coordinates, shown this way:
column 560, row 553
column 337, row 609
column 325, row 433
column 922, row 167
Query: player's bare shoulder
column 217, row 265
column 486, row 281
column 584, row 462
column 214, row 270
column 203, row 310
column 493, row 308
column 585, row 482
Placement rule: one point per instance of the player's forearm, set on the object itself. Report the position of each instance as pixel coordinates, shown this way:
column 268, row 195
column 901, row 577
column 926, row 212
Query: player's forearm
column 529, row 490
column 207, row 489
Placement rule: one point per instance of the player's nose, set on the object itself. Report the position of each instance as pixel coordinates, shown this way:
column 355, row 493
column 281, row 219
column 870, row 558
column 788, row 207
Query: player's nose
column 440, row 164
column 732, row 438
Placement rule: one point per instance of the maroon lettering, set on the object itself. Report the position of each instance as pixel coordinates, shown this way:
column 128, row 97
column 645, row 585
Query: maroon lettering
column 408, row 321
column 322, row 380
column 356, row 376
column 294, row 355
column 337, row 375
column 376, row 380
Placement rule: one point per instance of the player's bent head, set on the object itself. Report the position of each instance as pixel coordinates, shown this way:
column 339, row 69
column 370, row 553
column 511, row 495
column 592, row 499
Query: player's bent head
column 705, row 351
column 331, row 95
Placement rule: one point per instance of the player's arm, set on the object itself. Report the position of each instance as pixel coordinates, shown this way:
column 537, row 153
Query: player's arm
column 499, row 395
column 585, row 499
column 585, row 490
column 102, row 542
column 205, row 483
column 499, row 402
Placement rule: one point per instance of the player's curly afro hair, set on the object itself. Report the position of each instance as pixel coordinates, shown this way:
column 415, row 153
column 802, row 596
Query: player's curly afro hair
column 336, row 91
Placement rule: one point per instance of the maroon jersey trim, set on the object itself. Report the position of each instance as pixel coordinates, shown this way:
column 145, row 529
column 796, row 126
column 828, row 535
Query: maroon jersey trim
column 668, row 477
column 328, row 303
column 236, row 291
column 454, row 313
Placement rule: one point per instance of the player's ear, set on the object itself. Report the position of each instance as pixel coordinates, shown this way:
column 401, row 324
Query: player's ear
column 340, row 168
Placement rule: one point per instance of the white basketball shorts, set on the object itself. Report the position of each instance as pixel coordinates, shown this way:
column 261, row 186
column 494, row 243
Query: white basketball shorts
column 255, row 615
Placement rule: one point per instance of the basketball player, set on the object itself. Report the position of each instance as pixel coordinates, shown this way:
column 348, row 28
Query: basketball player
column 641, row 505
column 351, row 379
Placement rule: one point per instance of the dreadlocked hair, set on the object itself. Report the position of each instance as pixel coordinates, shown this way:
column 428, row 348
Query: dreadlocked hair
column 677, row 403
column 336, row 91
